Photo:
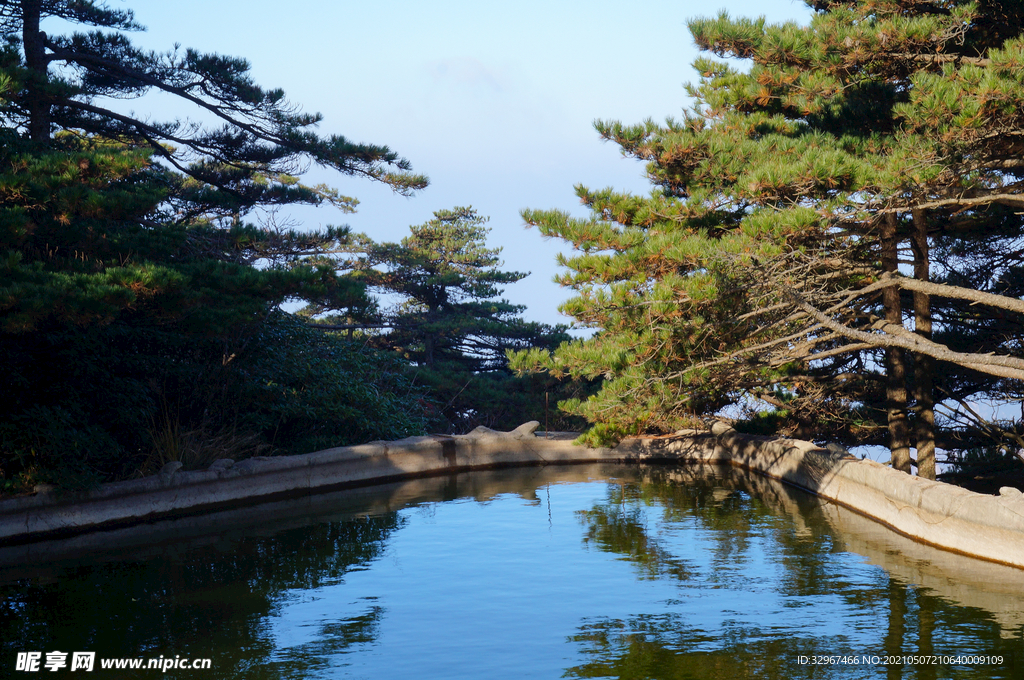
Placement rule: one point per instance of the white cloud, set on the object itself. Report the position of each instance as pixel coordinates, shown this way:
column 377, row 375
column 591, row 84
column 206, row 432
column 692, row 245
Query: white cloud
column 467, row 72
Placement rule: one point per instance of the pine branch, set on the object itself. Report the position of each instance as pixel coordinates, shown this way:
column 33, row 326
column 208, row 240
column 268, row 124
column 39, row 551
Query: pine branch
column 934, row 58
column 1013, row 200
column 946, row 291
column 1002, row 366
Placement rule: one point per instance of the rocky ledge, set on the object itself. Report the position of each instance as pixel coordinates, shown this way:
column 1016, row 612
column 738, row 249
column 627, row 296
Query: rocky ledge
column 990, row 527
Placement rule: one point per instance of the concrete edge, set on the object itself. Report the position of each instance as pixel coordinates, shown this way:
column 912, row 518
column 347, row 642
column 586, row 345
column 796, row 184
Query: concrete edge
column 944, row 516
column 978, row 525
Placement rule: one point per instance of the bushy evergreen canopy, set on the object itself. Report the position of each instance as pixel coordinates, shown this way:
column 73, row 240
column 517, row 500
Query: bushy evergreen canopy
column 245, row 140
column 765, row 267
column 132, row 277
column 449, row 322
column 157, row 204
column 447, row 279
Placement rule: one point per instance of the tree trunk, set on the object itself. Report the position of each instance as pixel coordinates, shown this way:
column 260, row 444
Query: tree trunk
column 428, row 336
column 924, row 423
column 34, row 43
column 428, row 349
column 895, row 366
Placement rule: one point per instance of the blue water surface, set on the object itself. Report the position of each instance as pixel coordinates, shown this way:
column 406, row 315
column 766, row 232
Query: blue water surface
column 597, row 572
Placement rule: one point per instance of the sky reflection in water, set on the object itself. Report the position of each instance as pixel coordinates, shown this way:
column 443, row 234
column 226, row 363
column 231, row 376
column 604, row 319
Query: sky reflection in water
column 579, row 572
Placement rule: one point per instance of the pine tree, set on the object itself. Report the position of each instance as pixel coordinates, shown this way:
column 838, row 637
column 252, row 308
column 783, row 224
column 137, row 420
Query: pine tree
column 68, row 80
column 448, row 323
column 204, row 179
column 128, row 253
column 764, row 268
column 447, row 277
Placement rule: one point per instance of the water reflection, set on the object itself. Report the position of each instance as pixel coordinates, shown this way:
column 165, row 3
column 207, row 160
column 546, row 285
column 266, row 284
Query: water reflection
column 926, row 602
column 666, row 647
column 207, row 601
column 684, row 573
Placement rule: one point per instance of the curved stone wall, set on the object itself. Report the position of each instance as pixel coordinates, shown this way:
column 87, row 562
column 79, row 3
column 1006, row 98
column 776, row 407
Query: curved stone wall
column 989, row 527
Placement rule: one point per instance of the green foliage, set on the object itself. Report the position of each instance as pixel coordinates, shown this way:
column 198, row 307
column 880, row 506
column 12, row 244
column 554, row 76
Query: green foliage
column 108, row 213
column 447, row 279
column 246, row 161
column 986, row 468
column 106, row 402
column 452, row 330
column 767, row 201
column 985, row 460
column 763, row 422
column 135, row 297
column 497, row 399
column 307, row 390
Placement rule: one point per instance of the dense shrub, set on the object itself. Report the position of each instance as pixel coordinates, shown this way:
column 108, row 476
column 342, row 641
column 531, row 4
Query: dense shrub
column 110, row 402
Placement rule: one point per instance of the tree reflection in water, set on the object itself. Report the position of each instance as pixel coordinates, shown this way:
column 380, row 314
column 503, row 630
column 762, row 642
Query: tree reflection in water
column 200, row 602
column 636, row 522
column 726, row 576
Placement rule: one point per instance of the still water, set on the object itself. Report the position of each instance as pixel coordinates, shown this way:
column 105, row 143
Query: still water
column 557, row 572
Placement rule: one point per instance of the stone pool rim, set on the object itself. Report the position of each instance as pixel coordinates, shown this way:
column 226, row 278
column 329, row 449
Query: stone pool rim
column 989, row 527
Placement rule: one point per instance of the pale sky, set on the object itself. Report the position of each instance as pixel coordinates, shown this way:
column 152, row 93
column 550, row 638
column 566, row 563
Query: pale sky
column 494, row 102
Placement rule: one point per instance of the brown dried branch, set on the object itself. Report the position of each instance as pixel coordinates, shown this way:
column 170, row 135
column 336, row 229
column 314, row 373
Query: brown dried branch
column 892, row 336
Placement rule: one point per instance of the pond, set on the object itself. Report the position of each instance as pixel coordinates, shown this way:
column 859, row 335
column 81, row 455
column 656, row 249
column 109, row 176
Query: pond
column 556, row 572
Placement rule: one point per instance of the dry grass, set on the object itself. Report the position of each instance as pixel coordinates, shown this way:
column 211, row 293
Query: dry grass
column 196, row 448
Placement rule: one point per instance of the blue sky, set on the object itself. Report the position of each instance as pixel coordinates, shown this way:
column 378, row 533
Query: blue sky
column 494, row 102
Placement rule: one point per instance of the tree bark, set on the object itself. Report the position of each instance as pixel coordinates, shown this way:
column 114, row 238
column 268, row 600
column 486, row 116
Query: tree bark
column 34, row 43
column 945, row 290
column 924, row 422
column 428, row 349
column 895, row 366
column 893, row 336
